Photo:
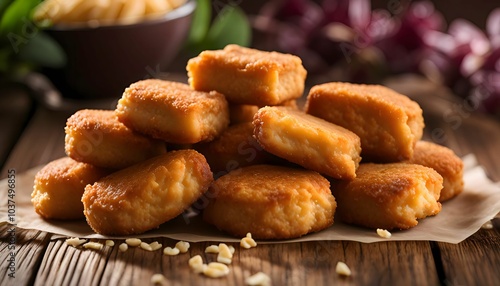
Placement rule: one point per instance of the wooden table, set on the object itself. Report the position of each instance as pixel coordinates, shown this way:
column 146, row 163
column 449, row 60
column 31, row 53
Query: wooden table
column 32, row 135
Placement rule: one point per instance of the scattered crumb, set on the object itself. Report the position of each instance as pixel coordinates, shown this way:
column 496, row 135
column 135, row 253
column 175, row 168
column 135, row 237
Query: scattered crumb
column 196, row 263
column 110, row 243
column 248, row 242
column 146, row 246
column 258, row 279
column 123, row 247
column 133, row 242
column 75, row 241
column 342, row 269
column 155, row 245
column 216, row 270
column 383, row 233
column 212, row 249
column 487, row 225
column 225, row 256
column 171, row 251
column 182, row 246
column 158, row 279
column 93, row 245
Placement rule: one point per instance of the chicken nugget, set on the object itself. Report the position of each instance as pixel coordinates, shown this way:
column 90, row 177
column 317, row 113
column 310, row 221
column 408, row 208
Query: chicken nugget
column 309, row 141
column 235, row 148
column 240, row 113
column 388, row 196
column 98, row 138
column 388, row 123
column 59, row 186
column 270, row 202
column 173, row 112
column 445, row 162
column 248, row 76
column 143, row 196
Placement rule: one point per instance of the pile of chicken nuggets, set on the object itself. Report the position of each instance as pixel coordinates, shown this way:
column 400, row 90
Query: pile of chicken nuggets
column 236, row 137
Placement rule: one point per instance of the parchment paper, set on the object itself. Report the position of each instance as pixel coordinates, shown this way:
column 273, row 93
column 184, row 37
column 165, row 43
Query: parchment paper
column 460, row 217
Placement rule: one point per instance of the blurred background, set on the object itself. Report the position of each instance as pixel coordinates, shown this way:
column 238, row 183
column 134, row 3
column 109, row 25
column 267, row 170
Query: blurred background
column 96, row 48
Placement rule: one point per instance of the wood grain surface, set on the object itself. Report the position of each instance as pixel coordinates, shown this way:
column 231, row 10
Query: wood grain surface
column 42, row 260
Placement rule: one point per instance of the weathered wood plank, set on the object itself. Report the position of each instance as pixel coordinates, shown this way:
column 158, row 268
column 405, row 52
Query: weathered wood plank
column 475, row 261
column 29, row 247
column 67, row 265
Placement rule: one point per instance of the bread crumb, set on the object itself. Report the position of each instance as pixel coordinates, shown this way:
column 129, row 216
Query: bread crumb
column 383, row 233
column 75, row 241
column 110, row 243
column 212, row 249
column 487, row 225
column 155, row 245
column 133, row 242
column 158, row 279
column 146, row 246
column 216, row 270
column 171, row 251
column 123, row 247
column 248, row 242
column 93, row 245
column 196, row 263
column 183, row 246
column 342, row 269
column 259, row 278
column 225, row 256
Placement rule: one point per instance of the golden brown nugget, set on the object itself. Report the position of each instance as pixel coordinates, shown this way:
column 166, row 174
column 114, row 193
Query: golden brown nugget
column 445, row 162
column 173, row 112
column 388, row 196
column 388, row 123
column 235, row 148
column 292, row 103
column 270, row 202
column 248, row 76
column 98, row 138
column 59, row 186
column 240, row 113
column 308, row 141
column 141, row 197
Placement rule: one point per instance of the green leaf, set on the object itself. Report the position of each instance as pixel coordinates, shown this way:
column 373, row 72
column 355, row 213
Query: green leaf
column 16, row 16
column 201, row 22
column 230, row 27
column 3, row 6
column 44, row 51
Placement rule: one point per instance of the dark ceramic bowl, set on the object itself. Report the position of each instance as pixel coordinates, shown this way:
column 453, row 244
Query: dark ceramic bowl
column 103, row 61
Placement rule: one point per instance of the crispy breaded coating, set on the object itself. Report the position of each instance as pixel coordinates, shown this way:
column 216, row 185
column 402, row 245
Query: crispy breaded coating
column 292, row 103
column 445, row 162
column 235, row 148
column 241, row 113
column 308, row 141
column 248, row 76
column 388, row 196
column 270, row 202
column 143, row 196
column 173, row 112
column 59, row 186
column 98, row 138
column 388, row 123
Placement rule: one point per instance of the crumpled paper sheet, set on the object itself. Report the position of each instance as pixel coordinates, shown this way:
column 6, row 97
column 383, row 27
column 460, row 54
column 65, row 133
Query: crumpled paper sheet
column 460, row 217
